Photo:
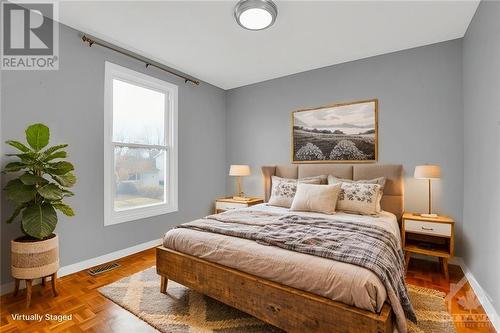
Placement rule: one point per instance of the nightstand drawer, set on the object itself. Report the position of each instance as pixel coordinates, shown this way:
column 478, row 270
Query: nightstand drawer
column 229, row 205
column 428, row 228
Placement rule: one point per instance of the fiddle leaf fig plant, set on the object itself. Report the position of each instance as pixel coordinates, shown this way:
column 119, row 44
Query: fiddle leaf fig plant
column 45, row 181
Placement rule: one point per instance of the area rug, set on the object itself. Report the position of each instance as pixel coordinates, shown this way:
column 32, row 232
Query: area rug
column 182, row 310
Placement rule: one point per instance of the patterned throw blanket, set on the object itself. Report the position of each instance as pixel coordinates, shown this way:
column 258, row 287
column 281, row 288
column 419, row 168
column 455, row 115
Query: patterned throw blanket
column 362, row 244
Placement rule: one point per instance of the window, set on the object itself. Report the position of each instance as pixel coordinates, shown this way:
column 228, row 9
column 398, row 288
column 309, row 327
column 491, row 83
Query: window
column 140, row 146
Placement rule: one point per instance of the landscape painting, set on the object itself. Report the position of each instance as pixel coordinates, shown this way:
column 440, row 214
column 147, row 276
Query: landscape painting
column 337, row 133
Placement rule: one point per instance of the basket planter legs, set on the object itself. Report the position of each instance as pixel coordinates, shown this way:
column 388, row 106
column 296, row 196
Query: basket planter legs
column 34, row 260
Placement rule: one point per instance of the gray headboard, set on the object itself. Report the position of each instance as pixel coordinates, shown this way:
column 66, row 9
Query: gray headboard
column 392, row 201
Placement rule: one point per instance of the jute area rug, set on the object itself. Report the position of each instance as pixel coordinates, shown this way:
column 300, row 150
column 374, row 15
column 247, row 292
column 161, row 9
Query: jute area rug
column 183, row 310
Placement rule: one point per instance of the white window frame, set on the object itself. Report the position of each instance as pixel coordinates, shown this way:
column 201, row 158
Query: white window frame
column 113, row 71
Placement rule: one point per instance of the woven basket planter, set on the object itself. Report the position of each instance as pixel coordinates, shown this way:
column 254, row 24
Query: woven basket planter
column 34, row 259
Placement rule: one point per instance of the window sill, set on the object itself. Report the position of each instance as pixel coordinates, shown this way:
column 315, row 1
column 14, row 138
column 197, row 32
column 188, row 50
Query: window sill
column 137, row 214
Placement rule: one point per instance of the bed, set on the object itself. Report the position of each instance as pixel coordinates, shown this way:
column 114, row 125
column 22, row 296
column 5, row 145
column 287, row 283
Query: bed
column 294, row 291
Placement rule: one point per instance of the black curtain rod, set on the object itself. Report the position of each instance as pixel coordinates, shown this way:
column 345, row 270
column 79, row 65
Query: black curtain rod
column 137, row 57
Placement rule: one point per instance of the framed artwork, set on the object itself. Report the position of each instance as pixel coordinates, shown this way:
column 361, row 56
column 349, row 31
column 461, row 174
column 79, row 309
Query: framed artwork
column 339, row 133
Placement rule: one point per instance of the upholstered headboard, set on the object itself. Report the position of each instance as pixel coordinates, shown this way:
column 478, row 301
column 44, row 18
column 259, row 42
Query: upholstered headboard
column 392, row 201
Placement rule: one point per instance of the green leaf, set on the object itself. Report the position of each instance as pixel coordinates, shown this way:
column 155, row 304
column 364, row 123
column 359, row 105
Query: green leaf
column 15, row 166
column 18, row 145
column 37, row 136
column 67, row 193
column 16, row 191
column 63, row 208
column 39, row 221
column 59, row 154
column 25, row 157
column 30, row 179
column 38, row 166
column 51, row 192
column 52, row 149
column 16, row 212
column 60, row 168
column 67, row 180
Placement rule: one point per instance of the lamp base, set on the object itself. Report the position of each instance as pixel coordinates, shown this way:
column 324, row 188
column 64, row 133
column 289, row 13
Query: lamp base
column 429, row 215
column 239, row 198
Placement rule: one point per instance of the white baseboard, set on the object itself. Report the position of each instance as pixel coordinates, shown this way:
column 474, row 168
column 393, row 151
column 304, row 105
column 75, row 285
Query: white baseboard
column 456, row 261
column 79, row 266
column 481, row 294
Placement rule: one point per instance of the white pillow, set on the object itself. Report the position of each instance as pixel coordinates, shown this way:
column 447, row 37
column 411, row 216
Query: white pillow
column 283, row 189
column 316, row 198
column 359, row 198
column 379, row 180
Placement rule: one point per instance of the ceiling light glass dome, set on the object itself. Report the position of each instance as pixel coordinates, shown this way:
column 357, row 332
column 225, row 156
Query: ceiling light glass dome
column 255, row 14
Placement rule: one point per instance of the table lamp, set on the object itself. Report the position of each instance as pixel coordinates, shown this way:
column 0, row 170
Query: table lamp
column 238, row 171
column 428, row 172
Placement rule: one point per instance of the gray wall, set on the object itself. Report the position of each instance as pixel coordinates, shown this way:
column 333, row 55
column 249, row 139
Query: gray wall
column 421, row 120
column 70, row 101
column 481, row 73
column 420, row 117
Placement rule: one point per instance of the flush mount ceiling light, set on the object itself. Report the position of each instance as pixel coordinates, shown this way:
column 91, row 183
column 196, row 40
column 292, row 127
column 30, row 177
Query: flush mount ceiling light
column 255, row 14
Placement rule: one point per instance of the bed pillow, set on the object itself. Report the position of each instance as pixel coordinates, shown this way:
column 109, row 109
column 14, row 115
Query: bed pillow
column 283, row 189
column 359, row 198
column 316, row 198
column 380, row 181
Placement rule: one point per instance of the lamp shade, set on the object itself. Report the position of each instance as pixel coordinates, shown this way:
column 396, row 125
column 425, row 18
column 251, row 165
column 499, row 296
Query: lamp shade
column 239, row 170
column 427, row 172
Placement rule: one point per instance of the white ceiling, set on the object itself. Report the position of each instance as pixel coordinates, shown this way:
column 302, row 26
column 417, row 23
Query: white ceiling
column 202, row 39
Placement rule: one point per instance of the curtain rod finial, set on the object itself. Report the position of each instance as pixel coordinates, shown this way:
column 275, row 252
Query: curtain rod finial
column 85, row 39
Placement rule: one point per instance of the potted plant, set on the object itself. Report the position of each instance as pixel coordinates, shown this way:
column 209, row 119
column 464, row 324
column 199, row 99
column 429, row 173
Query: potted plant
column 37, row 193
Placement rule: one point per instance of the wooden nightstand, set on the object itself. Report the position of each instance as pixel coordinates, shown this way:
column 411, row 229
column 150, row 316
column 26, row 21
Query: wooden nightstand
column 223, row 204
column 432, row 236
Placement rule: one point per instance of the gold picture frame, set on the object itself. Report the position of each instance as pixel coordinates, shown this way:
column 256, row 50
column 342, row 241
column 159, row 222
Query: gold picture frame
column 335, row 133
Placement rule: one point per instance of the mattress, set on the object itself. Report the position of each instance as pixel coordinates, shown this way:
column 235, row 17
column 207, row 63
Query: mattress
column 346, row 283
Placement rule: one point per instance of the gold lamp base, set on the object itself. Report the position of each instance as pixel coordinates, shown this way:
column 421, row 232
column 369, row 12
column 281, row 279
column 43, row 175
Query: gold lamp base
column 239, row 198
column 428, row 172
column 241, row 195
column 429, row 215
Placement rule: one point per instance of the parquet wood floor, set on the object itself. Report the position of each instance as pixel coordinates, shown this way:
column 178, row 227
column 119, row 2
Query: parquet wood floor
column 461, row 301
column 92, row 312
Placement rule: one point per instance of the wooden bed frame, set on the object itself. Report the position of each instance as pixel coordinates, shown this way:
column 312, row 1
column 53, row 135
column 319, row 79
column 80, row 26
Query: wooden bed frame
column 290, row 309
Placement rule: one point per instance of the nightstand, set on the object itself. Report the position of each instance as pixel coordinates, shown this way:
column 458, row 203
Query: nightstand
column 223, row 204
column 431, row 236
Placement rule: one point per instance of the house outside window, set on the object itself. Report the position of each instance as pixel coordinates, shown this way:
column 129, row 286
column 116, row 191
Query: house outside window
column 140, row 145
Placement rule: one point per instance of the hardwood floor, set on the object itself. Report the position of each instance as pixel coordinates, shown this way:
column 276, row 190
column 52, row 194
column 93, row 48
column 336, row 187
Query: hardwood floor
column 92, row 312
column 462, row 303
column 78, row 296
